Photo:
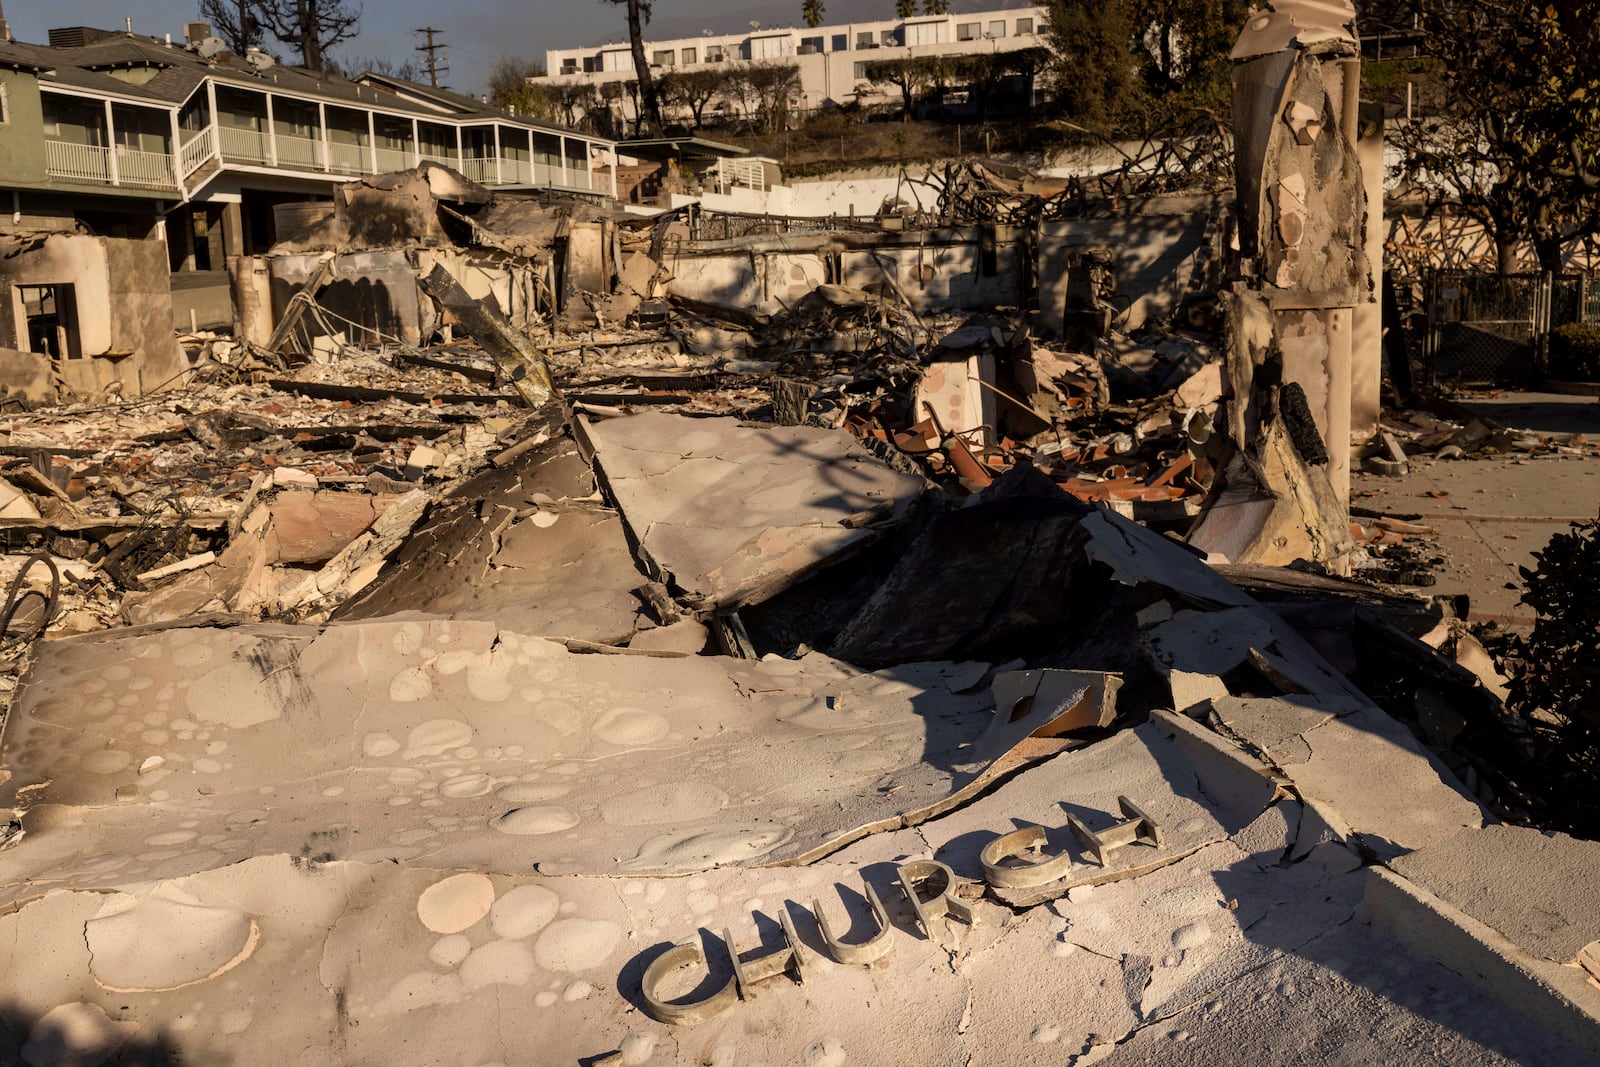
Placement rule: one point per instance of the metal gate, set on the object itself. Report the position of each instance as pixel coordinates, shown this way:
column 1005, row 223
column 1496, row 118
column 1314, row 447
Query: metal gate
column 1484, row 327
column 1487, row 328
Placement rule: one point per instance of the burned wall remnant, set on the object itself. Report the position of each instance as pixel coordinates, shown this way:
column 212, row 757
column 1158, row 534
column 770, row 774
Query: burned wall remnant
column 1156, row 249
column 1301, row 270
column 98, row 308
column 946, row 268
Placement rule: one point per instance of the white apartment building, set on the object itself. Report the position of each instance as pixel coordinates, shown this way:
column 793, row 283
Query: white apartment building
column 831, row 57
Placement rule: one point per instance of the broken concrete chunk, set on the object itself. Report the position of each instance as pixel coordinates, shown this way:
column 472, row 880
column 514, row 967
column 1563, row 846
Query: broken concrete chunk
column 952, row 392
column 1589, row 959
column 521, row 363
column 1538, row 889
column 559, row 571
column 1191, row 689
column 189, row 564
column 453, row 697
column 1275, row 509
column 424, row 458
column 638, row 274
column 1471, row 655
column 686, row 637
column 1201, row 390
column 313, row 527
column 293, row 477
column 1048, row 703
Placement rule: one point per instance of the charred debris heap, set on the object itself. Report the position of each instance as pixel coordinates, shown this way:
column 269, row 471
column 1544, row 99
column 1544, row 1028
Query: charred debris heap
column 528, row 585
column 692, row 432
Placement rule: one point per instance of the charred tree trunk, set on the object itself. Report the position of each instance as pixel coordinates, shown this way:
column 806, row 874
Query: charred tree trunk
column 651, row 103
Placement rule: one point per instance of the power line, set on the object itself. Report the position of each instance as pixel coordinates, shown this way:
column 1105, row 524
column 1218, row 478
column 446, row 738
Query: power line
column 435, row 64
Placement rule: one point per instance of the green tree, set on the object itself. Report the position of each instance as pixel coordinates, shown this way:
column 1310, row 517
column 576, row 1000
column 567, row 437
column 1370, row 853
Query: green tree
column 693, row 90
column 509, row 87
column 573, row 102
column 904, row 9
column 1517, row 145
column 610, row 121
column 911, row 76
column 1188, row 41
column 935, row 7
column 1126, row 66
column 1096, row 71
column 766, row 93
column 811, row 11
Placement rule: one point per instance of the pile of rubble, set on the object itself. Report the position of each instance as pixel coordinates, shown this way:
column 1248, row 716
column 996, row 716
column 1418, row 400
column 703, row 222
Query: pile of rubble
column 558, row 703
column 486, row 637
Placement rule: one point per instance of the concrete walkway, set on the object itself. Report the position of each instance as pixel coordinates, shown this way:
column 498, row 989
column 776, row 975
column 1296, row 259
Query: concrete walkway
column 1498, row 510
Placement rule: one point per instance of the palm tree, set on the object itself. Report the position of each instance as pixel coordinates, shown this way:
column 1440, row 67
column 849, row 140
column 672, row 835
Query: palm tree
column 935, row 7
column 904, row 9
column 812, row 12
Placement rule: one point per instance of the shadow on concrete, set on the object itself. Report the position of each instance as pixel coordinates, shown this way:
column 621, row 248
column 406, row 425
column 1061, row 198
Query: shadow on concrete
column 1539, row 412
column 80, row 1034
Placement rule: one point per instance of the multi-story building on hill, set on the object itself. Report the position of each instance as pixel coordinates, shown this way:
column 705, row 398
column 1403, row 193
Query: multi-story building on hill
column 831, row 58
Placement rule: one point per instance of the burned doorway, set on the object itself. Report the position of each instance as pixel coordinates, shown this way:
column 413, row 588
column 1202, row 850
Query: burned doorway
column 51, row 314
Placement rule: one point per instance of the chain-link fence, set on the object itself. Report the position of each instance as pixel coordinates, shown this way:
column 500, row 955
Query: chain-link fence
column 1489, row 328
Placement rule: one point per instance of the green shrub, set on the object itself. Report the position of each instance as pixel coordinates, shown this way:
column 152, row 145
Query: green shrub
column 1574, row 352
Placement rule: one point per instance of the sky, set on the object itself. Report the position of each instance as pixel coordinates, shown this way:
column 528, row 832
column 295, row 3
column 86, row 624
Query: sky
column 477, row 32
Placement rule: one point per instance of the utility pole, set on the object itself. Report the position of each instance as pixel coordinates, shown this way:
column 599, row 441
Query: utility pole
column 435, row 64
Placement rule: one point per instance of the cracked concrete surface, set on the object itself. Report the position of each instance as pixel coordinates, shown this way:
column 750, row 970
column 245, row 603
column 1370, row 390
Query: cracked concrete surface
column 269, row 838
column 735, row 513
column 371, row 936
column 460, row 745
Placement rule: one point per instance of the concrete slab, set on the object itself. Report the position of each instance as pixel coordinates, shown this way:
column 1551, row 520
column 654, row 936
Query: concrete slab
column 1198, row 924
column 1540, row 890
column 534, row 757
column 1374, row 1002
column 1496, row 512
column 1275, row 725
column 1561, row 999
column 1144, row 764
column 346, row 926
column 523, row 546
column 1363, row 769
column 360, row 965
column 736, row 513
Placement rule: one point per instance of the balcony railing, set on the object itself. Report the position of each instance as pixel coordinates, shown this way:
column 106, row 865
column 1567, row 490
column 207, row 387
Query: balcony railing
column 77, row 162
column 566, row 177
column 741, row 173
column 301, row 153
column 148, row 170
column 393, row 159
column 345, row 158
column 194, row 153
column 243, row 146
column 92, row 164
column 479, row 168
